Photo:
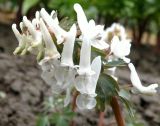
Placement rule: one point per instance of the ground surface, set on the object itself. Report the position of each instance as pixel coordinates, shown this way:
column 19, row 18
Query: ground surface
column 25, row 90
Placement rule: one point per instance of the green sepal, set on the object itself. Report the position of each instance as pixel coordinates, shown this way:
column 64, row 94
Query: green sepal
column 40, row 55
column 18, row 50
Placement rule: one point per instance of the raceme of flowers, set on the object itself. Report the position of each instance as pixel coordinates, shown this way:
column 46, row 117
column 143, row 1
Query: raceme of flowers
column 58, row 69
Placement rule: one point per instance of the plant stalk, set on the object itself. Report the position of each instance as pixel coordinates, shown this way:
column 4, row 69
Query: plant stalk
column 117, row 111
column 101, row 119
column 74, row 106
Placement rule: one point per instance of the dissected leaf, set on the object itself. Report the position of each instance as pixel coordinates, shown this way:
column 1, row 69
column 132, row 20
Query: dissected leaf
column 107, row 87
column 128, row 106
column 116, row 63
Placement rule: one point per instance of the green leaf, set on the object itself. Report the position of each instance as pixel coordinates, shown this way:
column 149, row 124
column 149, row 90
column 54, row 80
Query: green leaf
column 96, row 52
column 125, row 94
column 128, row 106
column 116, row 63
column 42, row 121
column 27, row 4
column 106, row 88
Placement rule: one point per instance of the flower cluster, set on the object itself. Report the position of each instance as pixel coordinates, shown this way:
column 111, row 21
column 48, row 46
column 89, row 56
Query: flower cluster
column 41, row 37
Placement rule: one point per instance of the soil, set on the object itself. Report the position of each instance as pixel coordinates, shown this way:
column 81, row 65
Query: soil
column 25, row 90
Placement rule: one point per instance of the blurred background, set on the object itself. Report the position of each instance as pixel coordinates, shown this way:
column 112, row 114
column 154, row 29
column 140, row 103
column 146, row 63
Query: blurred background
column 20, row 76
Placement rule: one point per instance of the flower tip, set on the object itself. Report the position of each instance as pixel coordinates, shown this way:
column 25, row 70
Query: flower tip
column 131, row 66
column 153, row 86
column 42, row 11
column 21, row 25
column 77, row 7
column 14, row 26
column 53, row 12
column 37, row 15
column 24, row 18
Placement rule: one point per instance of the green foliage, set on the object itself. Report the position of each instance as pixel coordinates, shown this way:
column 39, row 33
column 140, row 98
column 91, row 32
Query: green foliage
column 125, row 98
column 62, row 118
column 27, row 4
column 107, row 87
column 65, row 7
column 133, row 121
column 42, row 121
column 116, row 63
column 54, row 113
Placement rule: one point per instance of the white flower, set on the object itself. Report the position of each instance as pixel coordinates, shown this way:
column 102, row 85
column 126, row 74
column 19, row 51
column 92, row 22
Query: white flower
column 65, row 73
column 119, row 30
column 50, row 48
column 59, row 33
column 36, row 34
column 35, row 21
column 30, row 39
column 22, row 39
column 121, row 49
column 67, row 53
column 93, row 32
column 115, row 30
column 50, row 61
column 86, row 85
column 137, row 83
column 59, row 74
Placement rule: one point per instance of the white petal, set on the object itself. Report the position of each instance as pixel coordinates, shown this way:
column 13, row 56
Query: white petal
column 82, row 83
column 16, row 32
column 96, row 67
column 85, row 57
column 81, row 18
column 56, row 29
column 91, row 23
column 50, row 46
column 127, row 60
column 68, row 97
column 120, row 48
column 67, row 53
column 85, row 102
column 137, row 83
column 21, row 25
column 54, row 16
column 37, row 15
column 114, row 43
column 30, row 27
column 99, row 44
column 64, row 76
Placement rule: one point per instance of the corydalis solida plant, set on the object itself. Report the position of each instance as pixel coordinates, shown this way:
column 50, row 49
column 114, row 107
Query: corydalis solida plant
column 67, row 67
